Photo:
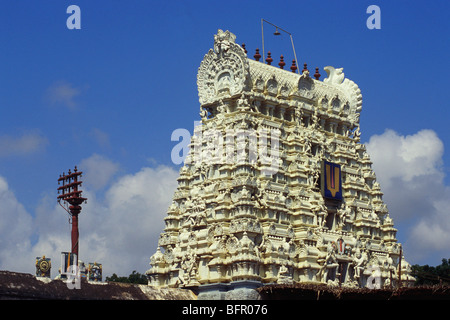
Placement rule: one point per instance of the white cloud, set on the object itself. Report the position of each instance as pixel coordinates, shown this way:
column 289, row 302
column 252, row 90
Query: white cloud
column 97, row 171
column 135, row 208
column 15, row 229
column 409, row 169
column 101, row 137
column 25, row 144
column 119, row 227
column 431, row 235
column 406, row 157
column 62, row 93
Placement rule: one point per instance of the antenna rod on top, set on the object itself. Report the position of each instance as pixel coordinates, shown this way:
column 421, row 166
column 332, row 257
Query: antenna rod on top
column 277, row 33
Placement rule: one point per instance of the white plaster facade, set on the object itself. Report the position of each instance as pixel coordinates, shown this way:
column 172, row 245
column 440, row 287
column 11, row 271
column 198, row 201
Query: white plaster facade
column 267, row 221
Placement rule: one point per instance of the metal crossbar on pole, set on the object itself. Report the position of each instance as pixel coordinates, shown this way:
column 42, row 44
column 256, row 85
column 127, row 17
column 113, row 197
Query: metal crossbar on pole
column 70, row 194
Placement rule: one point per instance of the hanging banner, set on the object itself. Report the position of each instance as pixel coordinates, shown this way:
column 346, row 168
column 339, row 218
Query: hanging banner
column 331, row 181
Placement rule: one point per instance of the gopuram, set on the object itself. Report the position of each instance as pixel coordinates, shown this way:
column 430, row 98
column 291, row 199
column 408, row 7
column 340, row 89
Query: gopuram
column 276, row 187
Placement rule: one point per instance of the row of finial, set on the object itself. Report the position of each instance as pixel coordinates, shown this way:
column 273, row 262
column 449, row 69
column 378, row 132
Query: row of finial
column 269, row 61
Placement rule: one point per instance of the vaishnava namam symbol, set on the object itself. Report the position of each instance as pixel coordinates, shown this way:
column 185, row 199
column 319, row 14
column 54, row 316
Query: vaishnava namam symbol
column 332, row 181
column 332, row 186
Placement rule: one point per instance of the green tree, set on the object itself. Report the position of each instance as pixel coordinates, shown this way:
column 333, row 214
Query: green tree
column 429, row 275
column 134, row 277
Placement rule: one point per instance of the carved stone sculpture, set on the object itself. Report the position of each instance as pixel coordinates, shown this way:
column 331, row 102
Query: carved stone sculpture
column 258, row 211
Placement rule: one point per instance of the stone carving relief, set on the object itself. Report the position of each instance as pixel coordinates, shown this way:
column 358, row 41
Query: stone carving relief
column 349, row 90
column 224, row 71
column 272, row 86
column 189, row 266
column 306, row 86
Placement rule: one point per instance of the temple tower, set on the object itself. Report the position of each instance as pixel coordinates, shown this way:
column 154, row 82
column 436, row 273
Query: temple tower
column 277, row 187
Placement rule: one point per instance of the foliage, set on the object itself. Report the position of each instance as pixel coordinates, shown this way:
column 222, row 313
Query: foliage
column 134, row 277
column 426, row 275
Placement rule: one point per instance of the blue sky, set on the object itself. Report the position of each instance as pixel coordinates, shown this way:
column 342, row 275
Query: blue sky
column 110, row 94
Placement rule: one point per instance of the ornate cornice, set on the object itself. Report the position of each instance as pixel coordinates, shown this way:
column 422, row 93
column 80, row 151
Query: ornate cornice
column 226, row 72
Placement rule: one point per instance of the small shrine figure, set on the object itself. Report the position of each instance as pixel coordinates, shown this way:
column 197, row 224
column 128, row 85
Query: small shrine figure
column 43, row 267
column 95, row 272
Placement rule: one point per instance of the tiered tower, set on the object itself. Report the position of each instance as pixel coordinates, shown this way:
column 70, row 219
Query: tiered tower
column 277, row 187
